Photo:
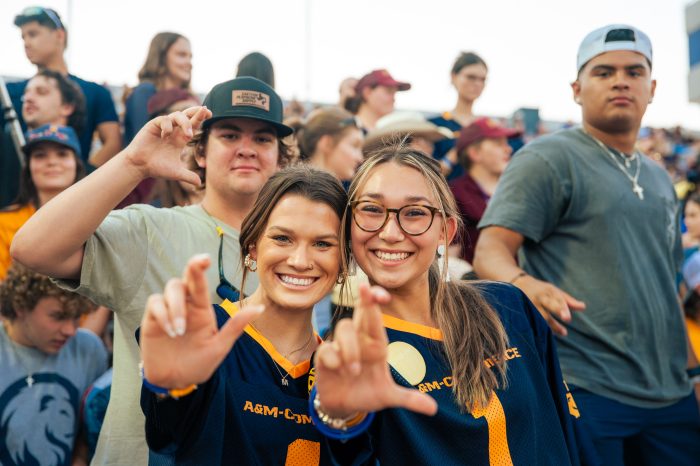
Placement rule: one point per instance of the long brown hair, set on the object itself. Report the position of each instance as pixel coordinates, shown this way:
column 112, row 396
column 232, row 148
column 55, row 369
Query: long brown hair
column 472, row 330
column 154, row 68
column 312, row 184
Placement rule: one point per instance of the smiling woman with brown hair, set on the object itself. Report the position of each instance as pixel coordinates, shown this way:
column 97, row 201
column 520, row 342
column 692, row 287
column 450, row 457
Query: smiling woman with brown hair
column 250, row 400
column 478, row 357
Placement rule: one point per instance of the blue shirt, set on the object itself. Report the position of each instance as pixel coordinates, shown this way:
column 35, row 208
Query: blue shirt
column 99, row 108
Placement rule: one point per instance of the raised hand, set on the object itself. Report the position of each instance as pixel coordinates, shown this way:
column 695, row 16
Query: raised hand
column 352, row 373
column 180, row 341
column 554, row 304
column 155, row 150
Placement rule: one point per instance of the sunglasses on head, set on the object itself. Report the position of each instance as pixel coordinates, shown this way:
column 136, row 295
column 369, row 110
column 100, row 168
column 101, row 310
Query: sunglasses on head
column 225, row 289
column 34, row 11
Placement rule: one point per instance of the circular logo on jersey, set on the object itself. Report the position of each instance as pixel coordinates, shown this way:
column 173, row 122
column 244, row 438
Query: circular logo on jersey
column 407, row 361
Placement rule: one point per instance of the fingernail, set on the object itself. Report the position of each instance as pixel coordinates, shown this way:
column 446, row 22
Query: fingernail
column 203, row 256
column 180, row 325
column 189, row 132
column 355, row 368
column 169, row 330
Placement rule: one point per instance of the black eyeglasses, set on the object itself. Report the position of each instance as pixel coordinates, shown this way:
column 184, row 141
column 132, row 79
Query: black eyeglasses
column 225, row 289
column 413, row 219
column 33, row 11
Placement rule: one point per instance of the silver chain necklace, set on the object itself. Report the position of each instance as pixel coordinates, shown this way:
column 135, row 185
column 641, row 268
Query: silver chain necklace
column 30, row 374
column 636, row 188
column 283, row 379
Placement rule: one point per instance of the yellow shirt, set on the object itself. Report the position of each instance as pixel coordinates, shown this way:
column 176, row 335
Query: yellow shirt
column 694, row 336
column 10, row 222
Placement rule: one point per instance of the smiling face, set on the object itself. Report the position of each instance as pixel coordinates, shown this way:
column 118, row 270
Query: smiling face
column 52, row 166
column 47, row 327
column 298, row 253
column 614, row 89
column 390, row 257
column 178, row 62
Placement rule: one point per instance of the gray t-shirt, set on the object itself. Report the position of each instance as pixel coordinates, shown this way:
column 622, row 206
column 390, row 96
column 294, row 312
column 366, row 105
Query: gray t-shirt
column 40, row 422
column 131, row 256
column 587, row 233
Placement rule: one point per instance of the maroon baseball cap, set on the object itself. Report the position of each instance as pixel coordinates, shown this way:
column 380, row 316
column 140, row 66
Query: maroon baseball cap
column 483, row 128
column 162, row 100
column 380, row 78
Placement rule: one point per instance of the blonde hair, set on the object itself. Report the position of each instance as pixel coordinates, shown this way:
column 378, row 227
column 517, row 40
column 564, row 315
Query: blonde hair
column 472, row 330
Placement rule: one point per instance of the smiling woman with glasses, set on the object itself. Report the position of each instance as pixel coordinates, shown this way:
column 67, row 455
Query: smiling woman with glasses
column 481, row 353
column 207, row 402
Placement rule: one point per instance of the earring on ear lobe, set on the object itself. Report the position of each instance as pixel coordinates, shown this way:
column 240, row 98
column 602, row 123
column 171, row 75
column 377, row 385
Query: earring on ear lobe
column 250, row 263
column 441, row 250
column 651, row 99
column 577, row 100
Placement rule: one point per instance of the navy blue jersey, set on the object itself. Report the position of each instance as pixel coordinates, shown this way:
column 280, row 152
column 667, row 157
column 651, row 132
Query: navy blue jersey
column 243, row 415
column 445, row 145
column 528, row 423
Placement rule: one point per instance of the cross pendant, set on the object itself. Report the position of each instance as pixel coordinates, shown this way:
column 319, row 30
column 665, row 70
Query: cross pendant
column 284, row 382
column 639, row 191
column 30, row 380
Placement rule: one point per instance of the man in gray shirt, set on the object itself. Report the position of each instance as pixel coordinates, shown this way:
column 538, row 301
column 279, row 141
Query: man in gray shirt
column 119, row 258
column 595, row 224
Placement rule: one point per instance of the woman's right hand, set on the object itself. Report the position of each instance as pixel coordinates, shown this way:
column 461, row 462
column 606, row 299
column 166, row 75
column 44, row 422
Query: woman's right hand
column 352, row 372
column 156, row 148
column 181, row 343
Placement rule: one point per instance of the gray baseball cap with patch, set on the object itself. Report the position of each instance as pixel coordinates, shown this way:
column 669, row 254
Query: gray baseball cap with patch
column 246, row 97
column 611, row 38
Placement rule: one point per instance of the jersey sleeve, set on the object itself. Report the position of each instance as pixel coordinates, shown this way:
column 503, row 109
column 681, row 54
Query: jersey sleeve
column 529, row 198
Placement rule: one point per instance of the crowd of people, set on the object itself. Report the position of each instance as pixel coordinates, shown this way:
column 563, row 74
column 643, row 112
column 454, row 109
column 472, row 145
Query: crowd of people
column 241, row 281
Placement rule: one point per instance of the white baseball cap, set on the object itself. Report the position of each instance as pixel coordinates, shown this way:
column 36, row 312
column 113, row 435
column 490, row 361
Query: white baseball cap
column 610, row 38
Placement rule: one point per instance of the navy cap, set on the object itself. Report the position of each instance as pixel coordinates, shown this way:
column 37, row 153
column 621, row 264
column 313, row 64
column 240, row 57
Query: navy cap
column 63, row 135
column 246, row 97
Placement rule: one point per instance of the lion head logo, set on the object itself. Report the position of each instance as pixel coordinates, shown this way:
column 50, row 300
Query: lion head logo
column 38, row 423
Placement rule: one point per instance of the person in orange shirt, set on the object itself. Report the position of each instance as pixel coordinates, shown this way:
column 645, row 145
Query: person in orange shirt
column 53, row 164
column 691, row 304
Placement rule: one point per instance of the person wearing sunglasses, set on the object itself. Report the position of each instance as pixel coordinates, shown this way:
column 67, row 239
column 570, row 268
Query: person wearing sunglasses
column 119, row 258
column 247, row 402
column 329, row 139
column 474, row 365
column 45, row 39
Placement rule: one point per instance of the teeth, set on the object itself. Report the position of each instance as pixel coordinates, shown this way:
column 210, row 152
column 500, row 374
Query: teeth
column 393, row 256
column 297, row 281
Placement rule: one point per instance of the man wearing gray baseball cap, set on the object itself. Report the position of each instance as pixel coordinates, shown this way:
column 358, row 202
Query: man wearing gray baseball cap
column 595, row 223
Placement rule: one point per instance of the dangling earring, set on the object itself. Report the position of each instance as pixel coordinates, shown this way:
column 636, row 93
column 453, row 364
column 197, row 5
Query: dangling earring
column 352, row 266
column 250, row 263
column 341, row 278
